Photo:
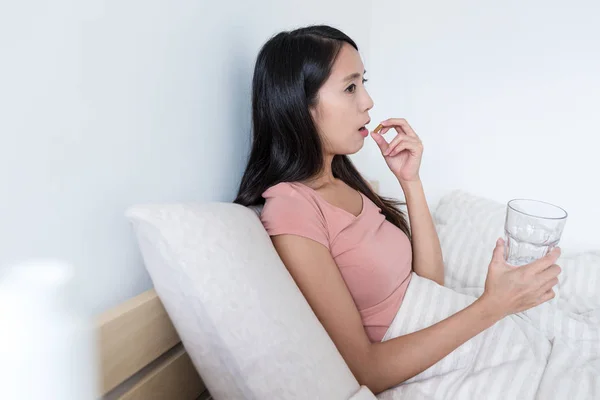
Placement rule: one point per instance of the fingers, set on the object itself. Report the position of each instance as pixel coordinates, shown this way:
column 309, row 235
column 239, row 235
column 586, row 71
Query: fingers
column 394, row 143
column 406, row 134
column 548, row 285
column 402, row 142
column 401, row 123
column 549, row 295
column 549, row 273
column 498, row 254
column 381, row 142
column 399, row 143
column 543, row 263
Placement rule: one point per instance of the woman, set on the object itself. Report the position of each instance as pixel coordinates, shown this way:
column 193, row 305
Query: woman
column 349, row 250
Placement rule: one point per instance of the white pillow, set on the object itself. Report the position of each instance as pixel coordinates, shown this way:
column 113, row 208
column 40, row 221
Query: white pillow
column 468, row 227
column 246, row 325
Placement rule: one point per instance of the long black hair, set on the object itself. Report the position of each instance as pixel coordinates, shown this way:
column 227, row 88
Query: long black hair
column 290, row 69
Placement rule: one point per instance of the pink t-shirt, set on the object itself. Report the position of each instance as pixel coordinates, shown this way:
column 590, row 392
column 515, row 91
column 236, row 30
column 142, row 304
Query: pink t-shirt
column 373, row 255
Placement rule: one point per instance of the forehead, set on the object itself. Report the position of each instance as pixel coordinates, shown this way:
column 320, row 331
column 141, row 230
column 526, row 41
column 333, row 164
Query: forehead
column 347, row 62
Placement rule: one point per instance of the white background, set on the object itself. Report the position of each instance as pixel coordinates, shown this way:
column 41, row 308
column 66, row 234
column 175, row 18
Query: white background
column 109, row 104
column 504, row 95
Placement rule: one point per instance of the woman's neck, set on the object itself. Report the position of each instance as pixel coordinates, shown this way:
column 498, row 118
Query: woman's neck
column 325, row 177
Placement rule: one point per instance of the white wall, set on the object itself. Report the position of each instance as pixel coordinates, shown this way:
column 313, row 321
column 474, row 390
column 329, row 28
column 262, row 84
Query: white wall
column 504, row 95
column 106, row 104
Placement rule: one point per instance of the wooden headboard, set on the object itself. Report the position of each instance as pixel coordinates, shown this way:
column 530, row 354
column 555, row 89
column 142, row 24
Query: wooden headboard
column 141, row 355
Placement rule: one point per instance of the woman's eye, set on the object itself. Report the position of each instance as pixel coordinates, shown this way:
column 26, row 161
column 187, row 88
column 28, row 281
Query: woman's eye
column 352, row 88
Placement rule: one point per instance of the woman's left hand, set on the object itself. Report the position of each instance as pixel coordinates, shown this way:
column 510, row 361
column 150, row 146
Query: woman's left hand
column 403, row 154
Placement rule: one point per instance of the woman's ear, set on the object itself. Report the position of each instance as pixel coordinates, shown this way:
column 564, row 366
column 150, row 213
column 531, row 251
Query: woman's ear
column 314, row 113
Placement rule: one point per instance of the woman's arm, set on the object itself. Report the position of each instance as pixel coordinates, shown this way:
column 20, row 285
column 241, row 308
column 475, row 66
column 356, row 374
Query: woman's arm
column 427, row 253
column 379, row 366
column 403, row 156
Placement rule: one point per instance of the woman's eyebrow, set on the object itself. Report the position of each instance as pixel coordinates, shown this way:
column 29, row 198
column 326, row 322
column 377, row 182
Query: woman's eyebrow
column 353, row 76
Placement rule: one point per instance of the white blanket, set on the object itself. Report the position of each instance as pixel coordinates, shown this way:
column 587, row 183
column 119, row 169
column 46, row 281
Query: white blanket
column 549, row 352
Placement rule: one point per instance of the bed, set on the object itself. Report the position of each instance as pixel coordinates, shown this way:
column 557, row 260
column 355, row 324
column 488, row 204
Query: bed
column 250, row 334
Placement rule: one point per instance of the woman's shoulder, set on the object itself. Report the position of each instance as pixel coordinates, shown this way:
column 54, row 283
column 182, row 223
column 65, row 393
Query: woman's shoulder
column 290, row 209
column 292, row 196
column 293, row 190
column 279, row 189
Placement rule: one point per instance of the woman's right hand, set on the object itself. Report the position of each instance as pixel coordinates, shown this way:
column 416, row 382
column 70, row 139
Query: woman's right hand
column 510, row 289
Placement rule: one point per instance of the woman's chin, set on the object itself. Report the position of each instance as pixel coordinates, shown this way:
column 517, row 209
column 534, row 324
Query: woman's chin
column 354, row 147
column 350, row 146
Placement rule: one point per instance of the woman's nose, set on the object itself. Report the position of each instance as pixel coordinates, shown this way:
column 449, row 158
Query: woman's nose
column 368, row 102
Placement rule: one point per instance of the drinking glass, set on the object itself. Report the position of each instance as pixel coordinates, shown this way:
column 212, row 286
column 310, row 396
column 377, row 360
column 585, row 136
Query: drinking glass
column 532, row 229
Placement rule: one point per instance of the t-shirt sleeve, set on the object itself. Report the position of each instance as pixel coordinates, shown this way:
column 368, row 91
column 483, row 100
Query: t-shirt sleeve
column 286, row 211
